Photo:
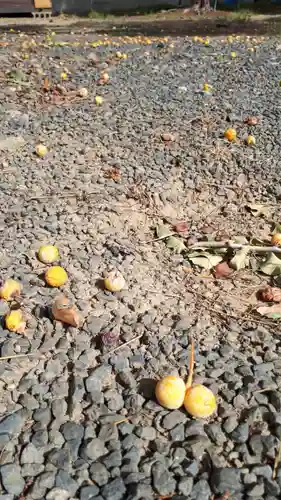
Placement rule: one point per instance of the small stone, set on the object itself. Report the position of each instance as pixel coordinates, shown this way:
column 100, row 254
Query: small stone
column 185, row 485
column 88, row 492
column 114, row 400
column 94, row 449
column 71, row 430
column 99, row 474
column 241, row 433
column 40, row 439
column 45, row 480
column 173, row 418
column 58, row 494
column 115, row 490
column 65, row 482
column 11, row 478
column 60, row 458
column 163, row 482
column 226, row 479
column 13, row 423
column 42, row 415
column 263, row 471
column 108, row 432
column 215, row 433
column 178, row 433
column 148, row 433
column 201, row 491
column 256, row 490
column 29, row 402
column 114, row 459
column 31, row 455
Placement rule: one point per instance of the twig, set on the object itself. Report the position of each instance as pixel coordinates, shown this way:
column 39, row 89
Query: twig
column 122, row 345
column 276, row 462
column 233, row 246
column 191, row 366
column 160, row 238
column 3, row 358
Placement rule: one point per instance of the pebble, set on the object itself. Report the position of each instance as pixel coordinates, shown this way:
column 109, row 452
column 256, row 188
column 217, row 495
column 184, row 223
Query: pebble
column 11, row 479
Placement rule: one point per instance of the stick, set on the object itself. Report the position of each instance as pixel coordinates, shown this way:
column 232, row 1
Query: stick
column 17, row 356
column 233, row 246
column 160, row 238
column 276, row 462
column 191, row 366
column 122, row 345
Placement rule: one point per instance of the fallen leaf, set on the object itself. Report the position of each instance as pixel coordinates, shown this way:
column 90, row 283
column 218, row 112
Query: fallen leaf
column 163, row 231
column 257, row 209
column 180, row 227
column 63, row 310
column 204, row 259
column 222, row 270
column 271, row 266
column 270, row 294
column 240, row 259
column 251, row 120
column 175, row 244
column 168, row 137
column 46, row 84
column 273, row 312
column 113, row 173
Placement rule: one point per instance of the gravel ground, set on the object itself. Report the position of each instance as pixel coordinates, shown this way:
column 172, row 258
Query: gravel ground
column 79, row 422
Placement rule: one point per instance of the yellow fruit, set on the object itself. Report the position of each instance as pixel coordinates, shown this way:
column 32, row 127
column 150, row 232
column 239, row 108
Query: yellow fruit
column 83, row 92
column 56, row 276
column 119, row 55
column 170, row 392
column 206, row 87
column 48, row 254
column 10, row 289
column 114, row 282
column 98, row 99
column 233, row 54
column 14, row 321
column 230, row 134
column 276, row 239
column 63, row 75
column 199, row 401
column 251, row 141
column 124, row 56
column 41, row 150
column 105, row 77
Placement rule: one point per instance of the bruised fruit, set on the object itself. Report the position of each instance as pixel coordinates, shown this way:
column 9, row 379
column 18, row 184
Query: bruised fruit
column 10, row 289
column 14, row 321
column 170, row 392
column 114, row 282
column 230, row 134
column 199, row 401
column 48, row 254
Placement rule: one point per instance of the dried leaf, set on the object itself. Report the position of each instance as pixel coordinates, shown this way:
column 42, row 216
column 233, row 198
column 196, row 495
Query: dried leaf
column 257, row 209
column 163, row 231
column 273, row 312
column 175, row 244
column 271, row 266
column 113, row 173
column 63, row 310
column 223, row 270
column 46, row 84
column 204, row 259
column 251, row 120
column 180, row 227
column 168, row 137
column 240, row 259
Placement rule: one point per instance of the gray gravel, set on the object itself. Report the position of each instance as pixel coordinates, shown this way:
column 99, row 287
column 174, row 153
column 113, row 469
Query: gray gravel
column 79, row 421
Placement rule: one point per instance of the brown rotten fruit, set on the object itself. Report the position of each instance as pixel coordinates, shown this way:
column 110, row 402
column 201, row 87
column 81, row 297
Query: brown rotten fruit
column 270, row 294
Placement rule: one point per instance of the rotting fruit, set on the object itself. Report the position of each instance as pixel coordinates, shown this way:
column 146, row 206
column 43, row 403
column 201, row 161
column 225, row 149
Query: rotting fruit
column 114, row 281
column 14, row 321
column 276, row 239
column 230, row 134
column 48, row 254
column 10, row 289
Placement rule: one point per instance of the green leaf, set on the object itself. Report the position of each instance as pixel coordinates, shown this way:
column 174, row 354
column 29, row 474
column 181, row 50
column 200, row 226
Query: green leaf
column 163, row 231
column 204, row 259
column 271, row 266
column 257, row 209
column 175, row 244
column 240, row 259
column 277, row 228
column 16, row 75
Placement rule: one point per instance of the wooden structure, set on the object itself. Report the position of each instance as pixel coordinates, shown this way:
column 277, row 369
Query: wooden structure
column 23, row 6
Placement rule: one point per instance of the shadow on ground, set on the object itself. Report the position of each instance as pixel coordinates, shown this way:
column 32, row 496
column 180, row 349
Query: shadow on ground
column 269, row 25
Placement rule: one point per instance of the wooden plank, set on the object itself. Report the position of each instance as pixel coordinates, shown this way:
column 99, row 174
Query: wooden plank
column 43, row 4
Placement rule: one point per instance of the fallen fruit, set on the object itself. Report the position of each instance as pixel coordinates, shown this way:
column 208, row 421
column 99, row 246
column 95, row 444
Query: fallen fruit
column 83, row 92
column 114, row 282
column 230, row 134
column 233, row 54
column 63, row 76
column 56, row 276
column 206, row 87
column 110, row 338
column 41, row 150
column 199, row 401
column 222, row 270
column 180, row 227
column 251, row 141
column 276, row 239
column 98, row 99
column 168, row 137
column 64, row 310
column 170, row 392
column 105, row 77
column 48, row 254
column 119, row 55
column 14, row 321
column 270, row 294
column 10, row 289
